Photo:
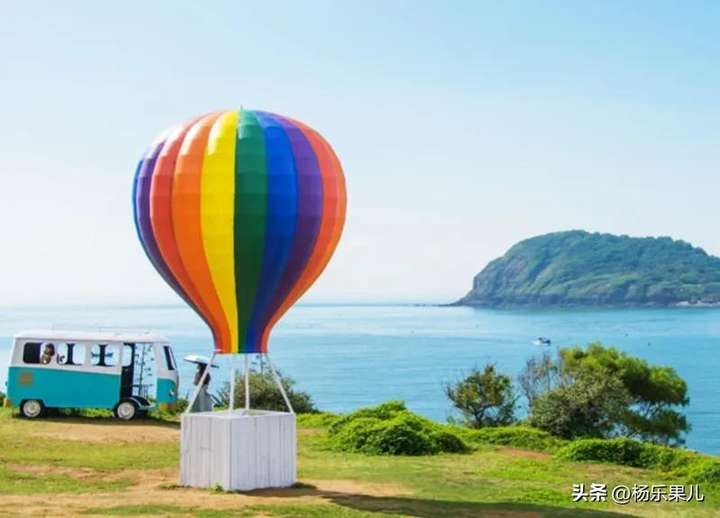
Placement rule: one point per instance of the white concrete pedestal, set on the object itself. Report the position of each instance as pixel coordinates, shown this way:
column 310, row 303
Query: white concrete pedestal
column 239, row 450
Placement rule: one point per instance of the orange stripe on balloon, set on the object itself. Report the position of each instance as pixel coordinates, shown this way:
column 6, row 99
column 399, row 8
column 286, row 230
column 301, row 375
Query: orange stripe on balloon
column 187, row 226
column 331, row 224
column 161, row 215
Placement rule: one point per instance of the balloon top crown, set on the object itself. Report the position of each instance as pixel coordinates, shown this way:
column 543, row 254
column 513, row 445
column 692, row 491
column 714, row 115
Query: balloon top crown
column 239, row 212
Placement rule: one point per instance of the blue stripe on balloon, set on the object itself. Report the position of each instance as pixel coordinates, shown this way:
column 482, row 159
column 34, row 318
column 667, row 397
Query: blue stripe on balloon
column 280, row 223
column 310, row 206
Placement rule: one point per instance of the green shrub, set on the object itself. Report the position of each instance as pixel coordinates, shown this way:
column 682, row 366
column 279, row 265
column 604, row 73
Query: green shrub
column 318, row 420
column 2, row 398
column 390, row 429
column 629, row 452
column 449, row 442
column 515, row 436
column 355, row 435
column 180, row 406
column 705, row 472
column 666, row 458
column 405, row 434
column 694, row 467
column 626, row 452
column 384, row 411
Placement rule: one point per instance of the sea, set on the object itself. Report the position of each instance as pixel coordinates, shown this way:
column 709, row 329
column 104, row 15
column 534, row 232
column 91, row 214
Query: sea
column 349, row 356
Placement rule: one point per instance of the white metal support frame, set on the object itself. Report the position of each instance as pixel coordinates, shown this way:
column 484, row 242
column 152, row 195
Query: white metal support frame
column 247, row 382
column 231, row 405
column 200, row 384
column 279, row 384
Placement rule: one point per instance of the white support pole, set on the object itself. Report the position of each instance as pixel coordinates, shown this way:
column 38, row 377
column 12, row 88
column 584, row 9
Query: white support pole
column 247, row 382
column 231, row 405
column 279, row 384
column 200, row 384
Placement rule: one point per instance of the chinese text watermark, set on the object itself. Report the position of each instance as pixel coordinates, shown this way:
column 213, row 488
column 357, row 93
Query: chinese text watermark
column 637, row 493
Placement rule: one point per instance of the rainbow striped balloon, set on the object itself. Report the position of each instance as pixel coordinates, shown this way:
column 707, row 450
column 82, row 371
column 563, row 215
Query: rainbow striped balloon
column 240, row 212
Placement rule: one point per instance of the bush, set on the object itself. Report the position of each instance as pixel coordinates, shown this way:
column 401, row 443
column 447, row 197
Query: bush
column 626, row 452
column 629, row 452
column 355, row 435
column 449, row 442
column 516, row 436
column 706, row 472
column 405, row 434
column 694, row 467
column 180, row 406
column 2, row 398
column 383, row 412
column 390, row 429
column 317, row 420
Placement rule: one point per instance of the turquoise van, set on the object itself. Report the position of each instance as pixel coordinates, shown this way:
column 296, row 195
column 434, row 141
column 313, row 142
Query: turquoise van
column 129, row 373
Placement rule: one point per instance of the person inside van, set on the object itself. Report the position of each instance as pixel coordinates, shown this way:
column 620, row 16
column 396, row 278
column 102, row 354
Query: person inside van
column 48, row 354
column 203, row 403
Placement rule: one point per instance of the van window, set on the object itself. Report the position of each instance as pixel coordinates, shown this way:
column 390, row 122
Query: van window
column 112, row 355
column 169, row 358
column 104, row 355
column 31, row 352
column 71, row 354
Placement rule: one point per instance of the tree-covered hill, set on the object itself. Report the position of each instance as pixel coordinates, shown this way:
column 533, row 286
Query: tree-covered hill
column 578, row 268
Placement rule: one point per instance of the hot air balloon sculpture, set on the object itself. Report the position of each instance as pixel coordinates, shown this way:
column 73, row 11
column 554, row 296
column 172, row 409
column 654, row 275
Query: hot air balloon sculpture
column 240, row 212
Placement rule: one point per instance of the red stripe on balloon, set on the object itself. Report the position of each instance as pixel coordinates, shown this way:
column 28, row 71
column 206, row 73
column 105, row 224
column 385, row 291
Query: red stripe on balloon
column 161, row 218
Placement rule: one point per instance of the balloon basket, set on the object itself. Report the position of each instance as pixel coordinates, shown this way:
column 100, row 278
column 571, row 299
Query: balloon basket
column 238, row 449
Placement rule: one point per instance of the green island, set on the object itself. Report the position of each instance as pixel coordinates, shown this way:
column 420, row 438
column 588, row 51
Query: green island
column 578, row 268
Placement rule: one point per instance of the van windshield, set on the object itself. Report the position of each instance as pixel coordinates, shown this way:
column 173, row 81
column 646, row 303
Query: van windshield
column 169, row 358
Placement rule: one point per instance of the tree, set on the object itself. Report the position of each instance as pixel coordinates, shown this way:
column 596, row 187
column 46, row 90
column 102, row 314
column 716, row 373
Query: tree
column 655, row 391
column 590, row 406
column 540, row 375
column 555, row 387
column 484, row 398
column 265, row 394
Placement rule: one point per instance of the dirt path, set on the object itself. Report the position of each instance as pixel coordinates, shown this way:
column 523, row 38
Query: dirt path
column 102, row 432
column 158, row 488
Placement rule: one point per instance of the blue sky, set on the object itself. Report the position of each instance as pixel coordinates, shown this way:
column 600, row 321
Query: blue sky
column 462, row 127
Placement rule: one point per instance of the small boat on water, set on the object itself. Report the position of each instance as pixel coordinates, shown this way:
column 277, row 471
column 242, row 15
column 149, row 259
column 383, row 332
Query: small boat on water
column 541, row 340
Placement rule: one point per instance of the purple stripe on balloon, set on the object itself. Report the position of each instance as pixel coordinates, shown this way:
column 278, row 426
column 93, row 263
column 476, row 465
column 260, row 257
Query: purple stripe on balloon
column 143, row 223
column 309, row 213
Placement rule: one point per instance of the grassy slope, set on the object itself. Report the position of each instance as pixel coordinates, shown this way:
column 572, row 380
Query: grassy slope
column 491, row 480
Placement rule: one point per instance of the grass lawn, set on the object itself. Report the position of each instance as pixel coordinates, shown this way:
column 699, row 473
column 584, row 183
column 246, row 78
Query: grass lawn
column 80, row 466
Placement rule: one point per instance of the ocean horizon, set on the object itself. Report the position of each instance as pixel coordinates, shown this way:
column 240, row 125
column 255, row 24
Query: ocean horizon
column 348, row 355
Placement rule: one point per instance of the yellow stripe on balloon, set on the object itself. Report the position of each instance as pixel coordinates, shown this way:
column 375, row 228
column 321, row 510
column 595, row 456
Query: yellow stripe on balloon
column 217, row 213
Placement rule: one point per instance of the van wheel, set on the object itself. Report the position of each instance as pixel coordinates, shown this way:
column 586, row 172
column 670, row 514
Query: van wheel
column 126, row 410
column 32, row 408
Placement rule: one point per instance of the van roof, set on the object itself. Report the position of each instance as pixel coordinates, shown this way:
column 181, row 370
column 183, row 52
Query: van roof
column 98, row 336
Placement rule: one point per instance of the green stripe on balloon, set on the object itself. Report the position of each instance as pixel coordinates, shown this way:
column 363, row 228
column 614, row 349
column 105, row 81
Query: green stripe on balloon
column 251, row 184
